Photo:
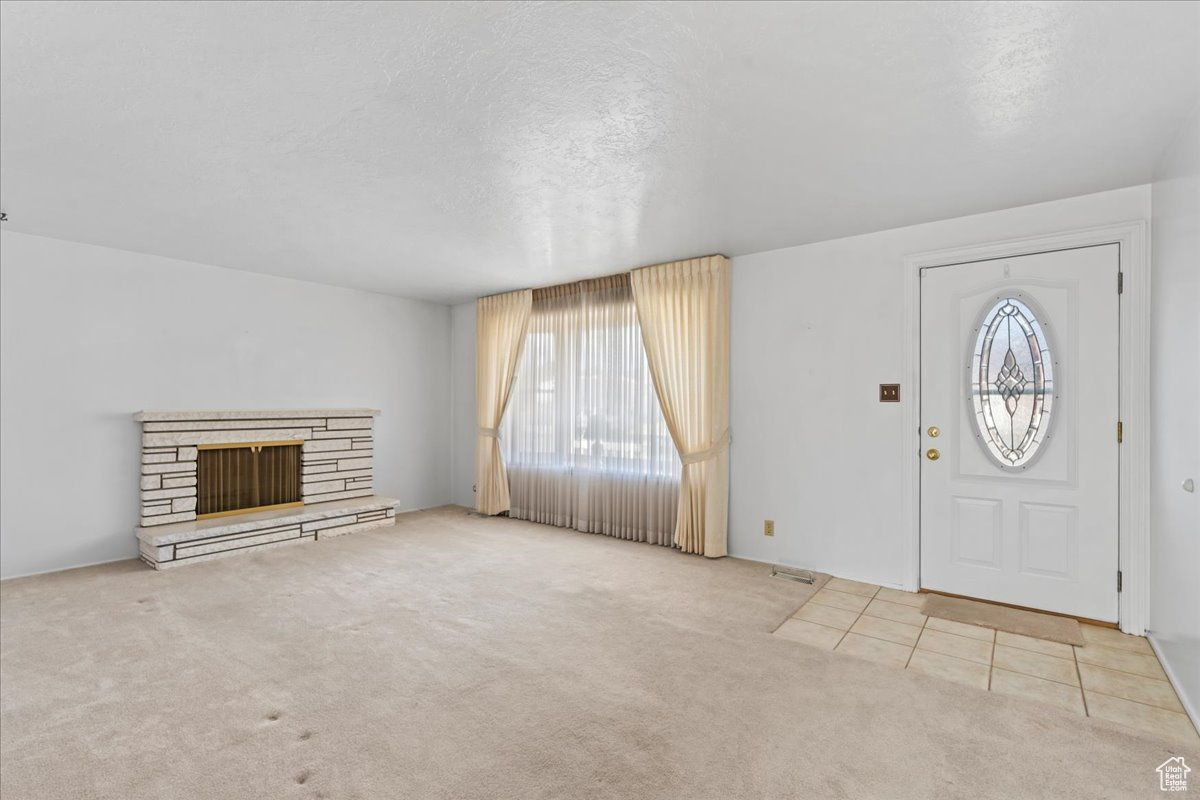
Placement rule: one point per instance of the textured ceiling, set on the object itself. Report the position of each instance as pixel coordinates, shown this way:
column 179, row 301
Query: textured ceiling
column 443, row 151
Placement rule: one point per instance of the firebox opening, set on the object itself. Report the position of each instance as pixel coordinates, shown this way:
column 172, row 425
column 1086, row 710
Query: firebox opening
column 247, row 476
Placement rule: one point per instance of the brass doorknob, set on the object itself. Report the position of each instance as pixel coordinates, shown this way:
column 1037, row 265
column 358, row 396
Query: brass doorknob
column 932, row 454
column 934, row 431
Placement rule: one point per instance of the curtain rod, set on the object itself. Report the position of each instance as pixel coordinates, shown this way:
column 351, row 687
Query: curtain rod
column 609, row 275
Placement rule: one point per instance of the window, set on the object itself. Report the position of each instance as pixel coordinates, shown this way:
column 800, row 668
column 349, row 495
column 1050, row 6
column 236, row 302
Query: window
column 1011, row 382
column 584, row 439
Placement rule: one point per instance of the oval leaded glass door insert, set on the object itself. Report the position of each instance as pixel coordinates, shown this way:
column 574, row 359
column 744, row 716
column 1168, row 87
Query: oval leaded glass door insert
column 1011, row 382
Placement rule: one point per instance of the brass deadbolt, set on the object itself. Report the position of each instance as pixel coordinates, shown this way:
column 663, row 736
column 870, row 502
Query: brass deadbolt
column 934, row 431
column 932, row 454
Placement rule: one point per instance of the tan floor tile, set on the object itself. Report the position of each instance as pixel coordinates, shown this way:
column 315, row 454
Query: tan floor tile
column 1108, row 637
column 1042, row 646
column 843, row 600
column 877, row 650
column 1037, row 690
column 853, row 587
column 958, row 646
column 1027, row 662
column 822, row 636
column 895, row 612
column 826, row 615
column 880, row 628
column 969, row 673
column 913, row 599
column 1122, row 660
column 1129, row 687
column 1170, row 725
column 961, row 629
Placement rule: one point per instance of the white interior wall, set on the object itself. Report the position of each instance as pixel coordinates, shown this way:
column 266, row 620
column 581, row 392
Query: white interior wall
column 1175, row 414
column 89, row 335
column 462, row 351
column 816, row 329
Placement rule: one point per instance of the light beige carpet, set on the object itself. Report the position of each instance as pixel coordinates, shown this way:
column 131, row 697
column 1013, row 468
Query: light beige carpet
column 1002, row 618
column 456, row 657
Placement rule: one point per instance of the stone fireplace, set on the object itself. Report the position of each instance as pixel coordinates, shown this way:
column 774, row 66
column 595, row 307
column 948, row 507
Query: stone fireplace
column 221, row 482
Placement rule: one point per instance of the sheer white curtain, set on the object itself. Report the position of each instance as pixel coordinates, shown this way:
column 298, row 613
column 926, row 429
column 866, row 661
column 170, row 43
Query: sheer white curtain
column 584, row 438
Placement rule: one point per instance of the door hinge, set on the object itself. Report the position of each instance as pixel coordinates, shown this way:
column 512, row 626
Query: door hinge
column 1120, row 431
column 1120, row 283
column 1118, row 580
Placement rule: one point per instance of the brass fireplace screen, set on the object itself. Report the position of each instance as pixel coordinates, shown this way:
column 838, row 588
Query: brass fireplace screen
column 245, row 477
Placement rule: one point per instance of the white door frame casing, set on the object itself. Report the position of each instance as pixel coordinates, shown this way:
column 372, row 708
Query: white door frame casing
column 1134, row 476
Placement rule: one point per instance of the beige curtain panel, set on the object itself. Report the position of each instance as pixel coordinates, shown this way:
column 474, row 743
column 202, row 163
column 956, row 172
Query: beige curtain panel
column 683, row 308
column 500, row 323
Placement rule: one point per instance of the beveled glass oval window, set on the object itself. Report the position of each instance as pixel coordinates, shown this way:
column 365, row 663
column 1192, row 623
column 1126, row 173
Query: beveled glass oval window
column 1011, row 382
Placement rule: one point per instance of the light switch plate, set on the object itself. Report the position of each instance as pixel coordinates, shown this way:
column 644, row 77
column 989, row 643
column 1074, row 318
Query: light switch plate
column 889, row 393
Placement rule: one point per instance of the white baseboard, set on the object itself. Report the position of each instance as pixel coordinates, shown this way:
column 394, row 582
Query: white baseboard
column 1184, row 700
column 65, row 569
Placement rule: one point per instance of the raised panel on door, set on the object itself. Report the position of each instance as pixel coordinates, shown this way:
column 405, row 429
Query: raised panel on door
column 976, row 535
column 1048, row 540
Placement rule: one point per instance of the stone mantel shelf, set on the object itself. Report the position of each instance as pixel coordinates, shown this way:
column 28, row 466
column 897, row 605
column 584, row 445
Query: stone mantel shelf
column 276, row 413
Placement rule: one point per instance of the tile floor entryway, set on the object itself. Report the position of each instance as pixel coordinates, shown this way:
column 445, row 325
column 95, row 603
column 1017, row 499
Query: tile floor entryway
column 1114, row 676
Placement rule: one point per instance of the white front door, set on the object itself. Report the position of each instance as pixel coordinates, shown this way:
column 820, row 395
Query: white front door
column 1019, row 412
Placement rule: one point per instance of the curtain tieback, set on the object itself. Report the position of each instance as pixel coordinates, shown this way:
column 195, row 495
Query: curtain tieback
column 489, row 433
column 708, row 454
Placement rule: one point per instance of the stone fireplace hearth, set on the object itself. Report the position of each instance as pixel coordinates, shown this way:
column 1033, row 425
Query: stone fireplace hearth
column 216, row 483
